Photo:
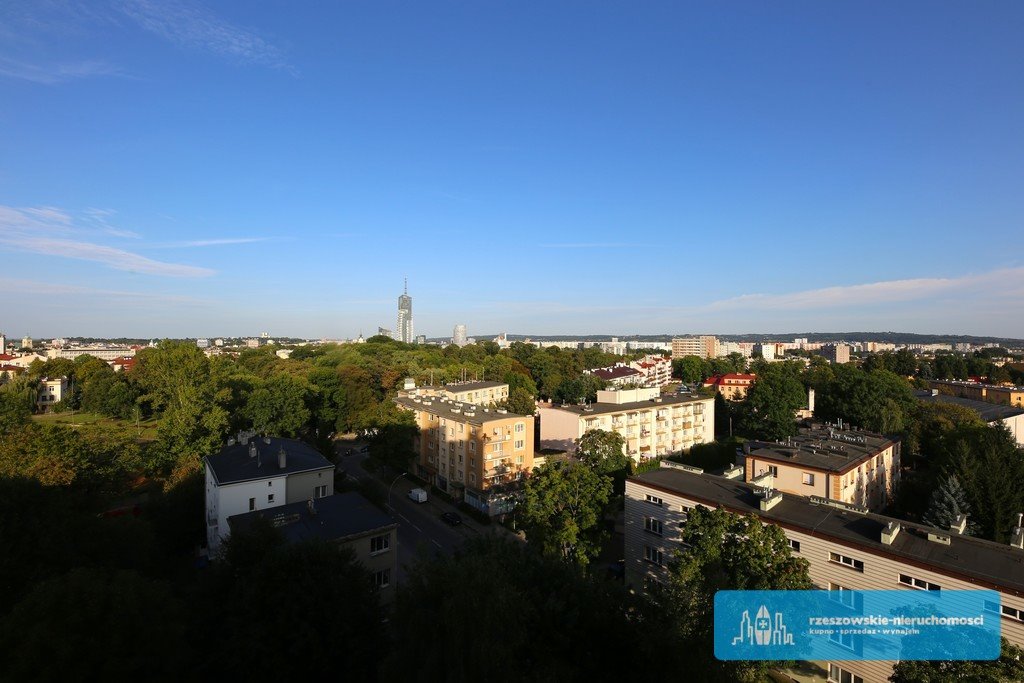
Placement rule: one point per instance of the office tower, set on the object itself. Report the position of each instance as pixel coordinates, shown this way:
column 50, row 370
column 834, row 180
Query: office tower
column 404, row 331
column 459, row 335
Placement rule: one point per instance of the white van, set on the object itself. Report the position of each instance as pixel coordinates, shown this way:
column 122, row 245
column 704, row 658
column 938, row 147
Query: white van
column 419, row 495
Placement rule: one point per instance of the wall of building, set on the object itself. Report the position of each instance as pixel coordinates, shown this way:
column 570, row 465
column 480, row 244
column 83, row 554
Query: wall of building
column 377, row 561
column 880, row 572
column 790, row 478
column 302, row 486
column 233, row 499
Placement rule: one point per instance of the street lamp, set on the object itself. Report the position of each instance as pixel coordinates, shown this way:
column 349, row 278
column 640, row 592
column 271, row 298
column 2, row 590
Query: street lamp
column 393, row 486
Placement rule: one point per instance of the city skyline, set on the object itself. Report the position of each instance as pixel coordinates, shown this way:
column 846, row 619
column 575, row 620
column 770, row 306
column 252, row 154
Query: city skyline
column 183, row 169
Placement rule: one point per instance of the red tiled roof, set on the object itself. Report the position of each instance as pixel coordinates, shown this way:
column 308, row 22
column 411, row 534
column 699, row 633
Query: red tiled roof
column 737, row 379
column 7, row 356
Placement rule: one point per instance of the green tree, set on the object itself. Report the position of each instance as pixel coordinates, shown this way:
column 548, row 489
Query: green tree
column 947, row 503
column 521, row 402
column 1009, row 667
column 15, row 407
column 316, row 607
column 690, row 369
column 561, row 510
column 604, row 452
column 769, row 409
column 879, row 401
column 520, row 616
column 94, row 624
column 726, row 552
column 990, row 467
column 279, row 406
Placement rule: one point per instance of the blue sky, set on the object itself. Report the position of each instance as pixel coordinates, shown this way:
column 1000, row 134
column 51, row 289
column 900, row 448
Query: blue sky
column 186, row 168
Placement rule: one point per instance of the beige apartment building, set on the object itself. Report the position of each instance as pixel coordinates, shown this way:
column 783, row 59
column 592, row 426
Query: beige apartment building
column 836, row 353
column 651, row 424
column 467, row 450
column 847, row 547
column 1011, row 396
column 478, row 393
column 702, row 347
column 853, row 467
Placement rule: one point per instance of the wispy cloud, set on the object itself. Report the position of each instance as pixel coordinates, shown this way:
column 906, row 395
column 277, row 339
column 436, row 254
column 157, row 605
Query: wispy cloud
column 586, row 245
column 216, row 242
column 98, row 218
column 193, row 27
column 52, row 232
column 993, row 283
column 52, row 74
column 30, row 287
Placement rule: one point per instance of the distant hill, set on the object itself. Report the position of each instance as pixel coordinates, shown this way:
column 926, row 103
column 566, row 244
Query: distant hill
column 891, row 337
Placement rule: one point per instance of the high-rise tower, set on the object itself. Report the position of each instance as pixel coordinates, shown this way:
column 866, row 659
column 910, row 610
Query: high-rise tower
column 404, row 331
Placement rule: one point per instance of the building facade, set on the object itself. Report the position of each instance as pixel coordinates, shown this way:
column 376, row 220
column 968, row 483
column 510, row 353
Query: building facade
column 459, row 335
column 657, row 370
column 485, row 393
column 853, row 467
column 847, row 548
column 702, row 347
column 732, row 386
column 404, row 331
column 253, row 474
column 470, row 451
column 991, row 393
column 651, row 425
column 619, row 375
column 836, row 353
column 51, row 391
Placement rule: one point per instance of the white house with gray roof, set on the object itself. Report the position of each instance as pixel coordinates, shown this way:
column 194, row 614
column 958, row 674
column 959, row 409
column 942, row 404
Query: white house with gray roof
column 254, row 473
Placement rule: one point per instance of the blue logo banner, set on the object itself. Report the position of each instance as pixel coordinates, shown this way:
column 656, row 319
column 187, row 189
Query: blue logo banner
column 857, row 625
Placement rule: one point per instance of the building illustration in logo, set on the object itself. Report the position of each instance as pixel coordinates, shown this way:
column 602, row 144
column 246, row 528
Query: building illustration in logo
column 760, row 630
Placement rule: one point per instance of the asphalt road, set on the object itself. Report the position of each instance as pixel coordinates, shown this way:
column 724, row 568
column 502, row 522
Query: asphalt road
column 421, row 531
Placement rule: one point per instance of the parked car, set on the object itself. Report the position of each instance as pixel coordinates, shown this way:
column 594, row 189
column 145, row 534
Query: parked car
column 451, row 518
column 418, row 495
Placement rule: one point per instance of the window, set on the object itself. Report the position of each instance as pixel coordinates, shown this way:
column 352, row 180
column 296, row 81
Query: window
column 654, row 500
column 838, row 675
column 653, row 555
column 382, row 579
column 520, row 444
column 497, row 447
column 472, row 446
column 270, row 499
column 379, row 544
column 520, row 427
column 919, row 584
column 845, row 596
column 461, row 426
column 519, row 460
column 320, row 491
column 270, row 483
column 844, row 640
column 846, row 561
column 808, row 478
column 773, row 470
column 652, row 525
column 252, row 504
column 794, row 545
column 1005, row 611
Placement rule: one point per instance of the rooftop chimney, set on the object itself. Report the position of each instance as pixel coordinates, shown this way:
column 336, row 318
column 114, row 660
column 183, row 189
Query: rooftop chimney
column 960, row 525
column 311, row 506
column 1017, row 540
column 282, row 458
column 252, row 450
column 889, row 533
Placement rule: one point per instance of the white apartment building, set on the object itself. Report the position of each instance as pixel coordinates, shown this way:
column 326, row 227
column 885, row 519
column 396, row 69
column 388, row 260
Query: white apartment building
column 482, row 393
column 652, row 425
column 258, row 473
column 657, row 370
column 107, row 353
column 51, row 392
column 848, row 548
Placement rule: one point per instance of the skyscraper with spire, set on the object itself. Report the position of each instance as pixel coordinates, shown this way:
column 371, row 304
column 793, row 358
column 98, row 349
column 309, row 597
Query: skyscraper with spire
column 404, row 330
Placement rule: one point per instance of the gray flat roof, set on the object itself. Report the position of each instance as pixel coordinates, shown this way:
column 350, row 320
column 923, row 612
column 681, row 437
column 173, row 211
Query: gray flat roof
column 456, row 410
column 472, row 386
column 823, row 448
column 234, row 464
column 336, row 517
column 973, row 559
column 990, row 412
column 605, row 408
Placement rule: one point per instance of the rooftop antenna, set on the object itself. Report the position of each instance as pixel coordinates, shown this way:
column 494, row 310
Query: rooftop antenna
column 406, row 289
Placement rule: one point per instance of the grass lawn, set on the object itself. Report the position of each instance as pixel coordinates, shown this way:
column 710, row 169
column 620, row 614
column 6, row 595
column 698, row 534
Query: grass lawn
column 146, row 429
